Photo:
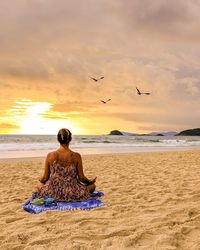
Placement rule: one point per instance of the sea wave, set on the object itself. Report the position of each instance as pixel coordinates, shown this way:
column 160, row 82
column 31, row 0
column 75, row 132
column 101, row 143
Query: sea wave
column 45, row 142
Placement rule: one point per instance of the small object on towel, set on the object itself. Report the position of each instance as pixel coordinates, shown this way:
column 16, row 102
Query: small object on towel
column 96, row 194
column 37, row 201
column 48, row 200
column 93, row 202
column 42, row 201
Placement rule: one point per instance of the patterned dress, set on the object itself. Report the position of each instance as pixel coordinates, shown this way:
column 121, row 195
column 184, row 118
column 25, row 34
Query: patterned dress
column 63, row 184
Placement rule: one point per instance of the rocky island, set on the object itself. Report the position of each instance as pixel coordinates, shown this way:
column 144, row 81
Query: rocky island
column 190, row 132
column 115, row 132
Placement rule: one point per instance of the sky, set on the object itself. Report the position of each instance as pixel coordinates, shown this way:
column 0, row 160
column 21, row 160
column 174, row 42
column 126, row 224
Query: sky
column 50, row 48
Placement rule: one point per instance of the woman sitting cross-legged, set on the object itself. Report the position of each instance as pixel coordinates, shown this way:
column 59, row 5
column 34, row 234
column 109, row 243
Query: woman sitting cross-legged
column 63, row 177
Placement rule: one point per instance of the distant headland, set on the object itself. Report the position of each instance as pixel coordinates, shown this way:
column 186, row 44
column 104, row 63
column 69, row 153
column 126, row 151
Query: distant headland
column 188, row 132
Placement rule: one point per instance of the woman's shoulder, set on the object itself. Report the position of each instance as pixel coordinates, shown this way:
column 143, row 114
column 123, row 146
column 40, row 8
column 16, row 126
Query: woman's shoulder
column 51, row 156
column 76, row 154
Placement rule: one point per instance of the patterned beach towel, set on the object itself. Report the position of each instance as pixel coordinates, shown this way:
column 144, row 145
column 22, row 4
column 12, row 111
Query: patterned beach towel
column 93, row 202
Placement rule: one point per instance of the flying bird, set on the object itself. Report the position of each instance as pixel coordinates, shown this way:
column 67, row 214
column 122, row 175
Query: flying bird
column 97, row 79
column 142, row 93
column 104, row 102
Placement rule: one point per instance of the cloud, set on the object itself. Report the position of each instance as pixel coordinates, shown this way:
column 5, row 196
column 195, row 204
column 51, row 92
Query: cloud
column 70, row 106
column 186, row 71
column 50, row 49
column 166, row 20
column 23, row 68
column 8, row 126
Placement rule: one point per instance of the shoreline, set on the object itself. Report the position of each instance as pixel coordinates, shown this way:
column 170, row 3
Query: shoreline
column 32, row 158
column 94, row 151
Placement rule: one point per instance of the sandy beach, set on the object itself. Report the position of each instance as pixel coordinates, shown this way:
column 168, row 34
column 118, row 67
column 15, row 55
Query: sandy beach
column 152, row 202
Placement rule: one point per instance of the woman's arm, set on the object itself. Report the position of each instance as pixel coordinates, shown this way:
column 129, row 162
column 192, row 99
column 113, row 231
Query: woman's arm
column 46, row 173
column 81, row 175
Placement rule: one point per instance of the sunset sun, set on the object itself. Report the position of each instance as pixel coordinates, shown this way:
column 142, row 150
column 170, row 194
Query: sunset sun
column 31, row 118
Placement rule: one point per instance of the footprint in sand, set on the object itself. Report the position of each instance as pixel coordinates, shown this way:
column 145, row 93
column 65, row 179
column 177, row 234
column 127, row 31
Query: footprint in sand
column 193, row 212
column 39, row 222
column 42, row 241
column 92, row 223
column 7, row 212
column 139, row 239
column 13, row 246
column 10, row 220
column 23, row 238
column 187, row 229
column 81, row 240
column 2, row 238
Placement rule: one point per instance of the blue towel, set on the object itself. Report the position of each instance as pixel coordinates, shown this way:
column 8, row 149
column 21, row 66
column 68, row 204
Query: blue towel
column 93, row 202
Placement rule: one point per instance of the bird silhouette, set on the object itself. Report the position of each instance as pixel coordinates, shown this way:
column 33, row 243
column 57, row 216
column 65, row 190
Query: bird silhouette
column 97, row 79
column 142, row 93
column 104, row 102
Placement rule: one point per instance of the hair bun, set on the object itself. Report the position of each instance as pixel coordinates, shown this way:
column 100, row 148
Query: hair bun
column 64, row 136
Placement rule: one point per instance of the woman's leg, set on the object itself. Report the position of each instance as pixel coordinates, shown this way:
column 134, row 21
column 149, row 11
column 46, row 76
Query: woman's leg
column 91, row 188
column 39, row 186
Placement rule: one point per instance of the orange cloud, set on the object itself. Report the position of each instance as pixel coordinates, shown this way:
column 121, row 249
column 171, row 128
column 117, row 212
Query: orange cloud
column 65, row 43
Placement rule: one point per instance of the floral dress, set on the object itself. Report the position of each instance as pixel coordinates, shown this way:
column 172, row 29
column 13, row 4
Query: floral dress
column 63, row 184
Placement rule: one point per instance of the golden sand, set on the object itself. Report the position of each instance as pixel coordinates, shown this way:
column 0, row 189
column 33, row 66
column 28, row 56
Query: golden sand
column 152, row 203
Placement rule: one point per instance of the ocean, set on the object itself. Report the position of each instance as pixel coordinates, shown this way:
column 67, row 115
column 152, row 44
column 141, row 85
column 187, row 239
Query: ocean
column 17, row 146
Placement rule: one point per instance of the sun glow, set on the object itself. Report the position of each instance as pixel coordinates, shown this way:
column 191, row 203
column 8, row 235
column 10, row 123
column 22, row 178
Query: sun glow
column 30, row 118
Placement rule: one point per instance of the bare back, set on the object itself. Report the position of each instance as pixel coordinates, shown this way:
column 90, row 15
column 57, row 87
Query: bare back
column 68, row 156
column 62, row 183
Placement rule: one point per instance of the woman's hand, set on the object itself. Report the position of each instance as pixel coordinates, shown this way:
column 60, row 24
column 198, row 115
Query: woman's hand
column 93, row 181
column 86, row 181
column 42, row 179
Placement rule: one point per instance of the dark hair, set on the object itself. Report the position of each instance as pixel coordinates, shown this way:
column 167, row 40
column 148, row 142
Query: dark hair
column 64, row 136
